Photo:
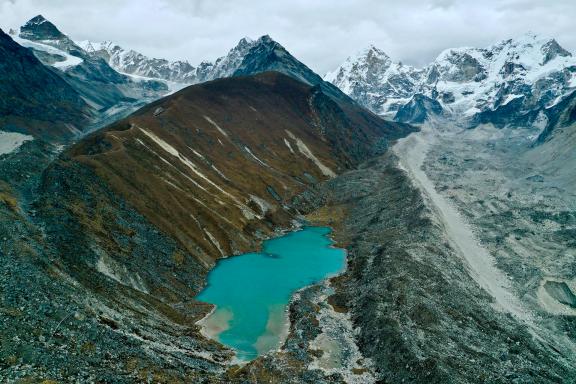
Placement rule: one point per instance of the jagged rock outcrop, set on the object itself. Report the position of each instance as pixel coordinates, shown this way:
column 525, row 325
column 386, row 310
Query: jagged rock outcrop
column 135, row 63
column 561, row 115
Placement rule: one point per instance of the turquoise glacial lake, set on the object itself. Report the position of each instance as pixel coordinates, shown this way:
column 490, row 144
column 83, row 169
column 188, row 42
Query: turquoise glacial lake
column 251, row 291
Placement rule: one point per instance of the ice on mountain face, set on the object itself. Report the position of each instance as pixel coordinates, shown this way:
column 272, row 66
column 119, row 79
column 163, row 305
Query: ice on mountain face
column 53, row 56
column 11, row 141
column 529, row 73
column 134, row 63
column 488, row 78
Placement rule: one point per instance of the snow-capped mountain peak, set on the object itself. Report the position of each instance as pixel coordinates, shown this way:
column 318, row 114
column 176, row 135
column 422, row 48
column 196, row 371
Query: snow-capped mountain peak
column 38, row 28
column 134, row 63
column 364, row 60
column 373, row 79
column 523, row 74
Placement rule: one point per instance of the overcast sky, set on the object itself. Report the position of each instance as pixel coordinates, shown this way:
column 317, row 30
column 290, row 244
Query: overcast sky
column 321, row 33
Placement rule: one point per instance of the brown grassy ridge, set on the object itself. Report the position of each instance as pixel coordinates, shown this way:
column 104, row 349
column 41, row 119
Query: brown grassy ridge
column 191, row 162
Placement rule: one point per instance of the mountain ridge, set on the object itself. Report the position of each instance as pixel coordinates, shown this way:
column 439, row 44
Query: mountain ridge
column 473, row 85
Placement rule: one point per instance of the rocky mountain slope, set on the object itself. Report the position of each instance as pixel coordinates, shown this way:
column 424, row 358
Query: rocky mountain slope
column 559, row 116
column 34, row 100
column 134, row 216
column 421, row 314
column 375, row 81
column 553, row 150
column 508, row 83
column 208, row 141
column 104, row 246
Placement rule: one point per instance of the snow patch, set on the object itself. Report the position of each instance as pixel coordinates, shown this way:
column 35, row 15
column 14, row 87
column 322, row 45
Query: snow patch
column 108, row 267
column 214, row 241
column 173, row 151
column 222, row 175
column 288, row 145
column 308, row 153
column 68, row 62
column 196, row 153
column 255, row 157
column 11, row 141
column 222, row 131
column 262, row 204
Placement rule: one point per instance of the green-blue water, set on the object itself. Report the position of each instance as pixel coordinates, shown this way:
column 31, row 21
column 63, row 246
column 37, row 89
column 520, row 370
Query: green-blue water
column 251, row 291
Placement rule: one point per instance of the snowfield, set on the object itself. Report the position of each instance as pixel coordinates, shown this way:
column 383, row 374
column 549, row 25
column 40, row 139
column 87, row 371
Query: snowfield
column 68, row 62
column 11, row 141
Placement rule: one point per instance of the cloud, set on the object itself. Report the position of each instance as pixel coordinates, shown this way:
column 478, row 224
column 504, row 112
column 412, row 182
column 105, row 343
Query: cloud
column 321, row 33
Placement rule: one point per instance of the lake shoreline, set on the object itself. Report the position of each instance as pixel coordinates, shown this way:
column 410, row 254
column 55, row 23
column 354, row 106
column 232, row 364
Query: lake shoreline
column 278, row 330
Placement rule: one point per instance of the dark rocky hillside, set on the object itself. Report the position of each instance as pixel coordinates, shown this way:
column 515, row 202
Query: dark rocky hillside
column 35, row 100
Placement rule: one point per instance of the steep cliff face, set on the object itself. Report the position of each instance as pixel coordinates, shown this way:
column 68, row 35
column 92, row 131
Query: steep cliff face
column 554, row 149
column 419, row 109
column 561, row 115
column 33, row 99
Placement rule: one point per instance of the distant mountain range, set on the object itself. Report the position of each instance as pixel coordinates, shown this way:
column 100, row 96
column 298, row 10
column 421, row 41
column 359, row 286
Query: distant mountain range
column 247, row 57
column 111, row 81
column 134, row 63
column 509, row 83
